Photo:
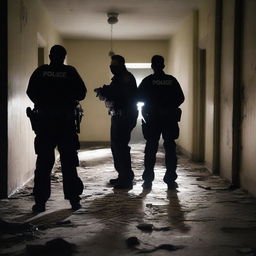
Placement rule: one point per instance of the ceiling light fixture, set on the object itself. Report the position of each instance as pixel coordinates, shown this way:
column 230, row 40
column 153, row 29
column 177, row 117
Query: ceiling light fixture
column 112, row 19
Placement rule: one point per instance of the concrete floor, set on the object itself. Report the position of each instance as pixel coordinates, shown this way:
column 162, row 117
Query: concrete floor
column 202, row 217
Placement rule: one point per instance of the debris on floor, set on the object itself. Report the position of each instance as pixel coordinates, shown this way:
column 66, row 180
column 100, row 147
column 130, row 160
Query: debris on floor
column 13, row 233
column 161, row 228
column 238, row 229
column 55, row 247
column 167, row 247
column 205, row 187
column 151, row 227
column 132, row 241
column 13, row 228
column 246, row 250
column 205, row 215
column 145, row 227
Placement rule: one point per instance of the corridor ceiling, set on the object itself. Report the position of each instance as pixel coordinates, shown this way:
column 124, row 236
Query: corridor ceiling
column 138, row 19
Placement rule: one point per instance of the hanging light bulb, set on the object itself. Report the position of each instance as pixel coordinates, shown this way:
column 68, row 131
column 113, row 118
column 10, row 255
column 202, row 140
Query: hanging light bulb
column 112, row 19
column 111, row 52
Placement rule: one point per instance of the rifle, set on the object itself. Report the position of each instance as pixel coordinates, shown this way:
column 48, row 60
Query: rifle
column 103, row 94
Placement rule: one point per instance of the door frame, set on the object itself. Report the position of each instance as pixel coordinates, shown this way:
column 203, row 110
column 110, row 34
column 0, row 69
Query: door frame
column 3, row 99
column 237, row 93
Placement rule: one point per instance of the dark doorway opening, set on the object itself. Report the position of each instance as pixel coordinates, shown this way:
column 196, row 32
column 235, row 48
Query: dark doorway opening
column 201, row 105
column 40, row 56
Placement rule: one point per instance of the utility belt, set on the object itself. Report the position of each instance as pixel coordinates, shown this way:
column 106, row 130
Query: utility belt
column 123, row 112
column 113, row 110
column 170, row 115
column 37, row 116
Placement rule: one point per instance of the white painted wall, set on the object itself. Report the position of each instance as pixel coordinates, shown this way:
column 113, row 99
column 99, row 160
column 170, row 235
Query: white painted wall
column 183, row 65
column 180, row 65
column 90, row 58
column 206, row 41
column 25, row 19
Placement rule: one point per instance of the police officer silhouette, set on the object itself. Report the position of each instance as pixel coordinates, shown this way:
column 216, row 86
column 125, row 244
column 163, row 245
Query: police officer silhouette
column 162, row 96
column 120, row 98
column 55, row 90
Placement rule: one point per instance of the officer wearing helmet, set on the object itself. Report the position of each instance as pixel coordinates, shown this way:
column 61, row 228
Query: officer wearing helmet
column 55, row 90
column 162, row 96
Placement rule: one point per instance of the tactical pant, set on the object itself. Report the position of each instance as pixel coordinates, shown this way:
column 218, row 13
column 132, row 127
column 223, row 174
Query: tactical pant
column 60, row 134
column 120, row 135
column 152, row 129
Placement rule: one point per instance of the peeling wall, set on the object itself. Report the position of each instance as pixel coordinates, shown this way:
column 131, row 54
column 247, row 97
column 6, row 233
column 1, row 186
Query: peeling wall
column 227, row 83
column 248, row 150
column 90, row 58
column 25, row 19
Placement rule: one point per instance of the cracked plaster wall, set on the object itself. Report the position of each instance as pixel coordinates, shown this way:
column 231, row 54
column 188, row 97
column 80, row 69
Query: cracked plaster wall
column 227, row 83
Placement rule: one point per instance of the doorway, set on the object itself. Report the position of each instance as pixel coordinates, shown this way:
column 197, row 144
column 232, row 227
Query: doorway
column 202, row 85
column 40, row 56
column 41, row 45
column 200, row 152
column 3, row 99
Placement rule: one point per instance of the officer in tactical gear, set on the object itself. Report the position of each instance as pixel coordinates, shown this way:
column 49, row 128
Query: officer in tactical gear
column 55, row 90
column 120, row 99
column 162, row 96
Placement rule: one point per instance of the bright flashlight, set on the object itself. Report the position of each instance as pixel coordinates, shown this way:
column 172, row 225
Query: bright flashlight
column 139, row 107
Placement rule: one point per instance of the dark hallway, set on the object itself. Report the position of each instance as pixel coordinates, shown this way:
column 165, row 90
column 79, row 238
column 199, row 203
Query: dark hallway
column 209, row 46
